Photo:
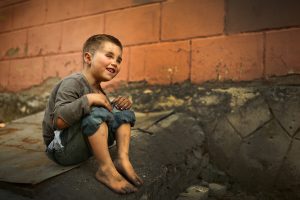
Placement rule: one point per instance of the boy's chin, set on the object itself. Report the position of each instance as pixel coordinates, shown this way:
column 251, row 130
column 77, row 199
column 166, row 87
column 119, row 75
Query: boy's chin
column 108, row 79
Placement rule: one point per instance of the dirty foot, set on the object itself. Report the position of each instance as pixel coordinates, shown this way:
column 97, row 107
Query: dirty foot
column 124, row 167
column 110, row 177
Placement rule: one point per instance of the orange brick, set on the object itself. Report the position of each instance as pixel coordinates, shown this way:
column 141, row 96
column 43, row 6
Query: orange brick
column 13, row 44
column 237, row 57
column 122, row 77
column 62, row 65
column 164, row 63
column 283, row 52
column 62, row 9
column 76, row 32
column 134, row 25
column 4, row 74
column 190, row 18
column 137, row 63
column 44, row 39
column 25, row 73
column 96, row 6
column 5, row 19
column 29, row 13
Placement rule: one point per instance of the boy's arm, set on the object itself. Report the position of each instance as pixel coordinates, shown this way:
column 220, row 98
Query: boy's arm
column 69, row 107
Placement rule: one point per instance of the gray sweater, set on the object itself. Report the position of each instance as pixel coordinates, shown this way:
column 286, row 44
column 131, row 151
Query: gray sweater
column 67, row 101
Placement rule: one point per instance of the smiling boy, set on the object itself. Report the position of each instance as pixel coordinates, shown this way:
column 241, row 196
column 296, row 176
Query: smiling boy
column 80, row 121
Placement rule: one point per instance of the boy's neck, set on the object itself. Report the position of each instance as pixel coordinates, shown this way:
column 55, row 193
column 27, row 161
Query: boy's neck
column 91, row 80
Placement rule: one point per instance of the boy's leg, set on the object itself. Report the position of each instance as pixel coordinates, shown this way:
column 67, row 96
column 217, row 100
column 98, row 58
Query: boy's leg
column 107, row 172
column 122, row 162
column 96, row 129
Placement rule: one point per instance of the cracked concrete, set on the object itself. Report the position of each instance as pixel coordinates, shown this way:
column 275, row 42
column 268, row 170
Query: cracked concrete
column 251, row 131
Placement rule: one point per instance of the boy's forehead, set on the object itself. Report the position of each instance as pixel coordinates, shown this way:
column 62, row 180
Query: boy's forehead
column 110, row 47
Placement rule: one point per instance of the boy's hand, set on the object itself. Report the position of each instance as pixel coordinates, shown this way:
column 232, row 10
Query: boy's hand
column 99, row 99
column 122, row 103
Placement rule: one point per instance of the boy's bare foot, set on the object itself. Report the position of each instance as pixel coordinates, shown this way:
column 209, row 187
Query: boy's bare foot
column 124, row 166
column 112, row 179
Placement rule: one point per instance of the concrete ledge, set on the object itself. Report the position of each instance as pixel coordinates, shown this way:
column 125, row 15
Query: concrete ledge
column 166, row 154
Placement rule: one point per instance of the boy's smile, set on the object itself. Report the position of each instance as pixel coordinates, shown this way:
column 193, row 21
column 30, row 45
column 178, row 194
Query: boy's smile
column 105, row 64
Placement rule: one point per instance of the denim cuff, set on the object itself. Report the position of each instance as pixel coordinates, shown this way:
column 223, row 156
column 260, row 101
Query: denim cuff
column 121, row 117
column 91, row 122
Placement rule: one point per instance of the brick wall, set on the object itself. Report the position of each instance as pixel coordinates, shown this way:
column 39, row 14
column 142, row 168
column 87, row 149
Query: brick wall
column 166, row 41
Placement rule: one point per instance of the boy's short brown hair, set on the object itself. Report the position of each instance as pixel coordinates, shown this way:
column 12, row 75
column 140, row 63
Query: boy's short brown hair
column 95, row 41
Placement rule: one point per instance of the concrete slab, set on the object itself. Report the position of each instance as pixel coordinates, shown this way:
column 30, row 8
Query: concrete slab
column 153, row 157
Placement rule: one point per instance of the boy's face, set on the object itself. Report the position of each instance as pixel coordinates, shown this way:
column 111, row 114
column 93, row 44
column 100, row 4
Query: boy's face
column 105, row 64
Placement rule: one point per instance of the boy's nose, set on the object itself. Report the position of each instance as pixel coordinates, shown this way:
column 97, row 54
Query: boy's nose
column 114, row 64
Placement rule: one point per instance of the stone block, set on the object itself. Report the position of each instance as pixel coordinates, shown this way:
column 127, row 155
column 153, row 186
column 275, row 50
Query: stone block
column 251, row 116
column 44, row 39
column 13, row 44
column 194, row 192
column 25, row 73
column 4, row 74
column 61, row 10
column 62, row 65
column 237, row 58
column 6, row 18
column 289, row 177
column 260, row 157
column 285, row 106
column 98, row 6
column 252, row 15
column 282, row 52
column 223, row 144
column 162, row 63
column 141, row 24
column 29, row 13
column 191, row 18
column 76, row 32
column 217, row 190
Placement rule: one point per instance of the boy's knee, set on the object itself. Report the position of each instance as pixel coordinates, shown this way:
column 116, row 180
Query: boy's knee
column 97, row 116
column 124, row 116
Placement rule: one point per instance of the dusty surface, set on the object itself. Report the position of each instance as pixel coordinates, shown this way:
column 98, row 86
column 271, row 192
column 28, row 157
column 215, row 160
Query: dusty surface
column 251, row 140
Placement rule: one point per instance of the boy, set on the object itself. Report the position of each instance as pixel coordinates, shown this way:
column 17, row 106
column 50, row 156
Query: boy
column 80, row 121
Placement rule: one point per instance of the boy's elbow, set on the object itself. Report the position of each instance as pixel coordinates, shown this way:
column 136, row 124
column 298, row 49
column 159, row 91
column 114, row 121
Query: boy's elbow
column 61, row 124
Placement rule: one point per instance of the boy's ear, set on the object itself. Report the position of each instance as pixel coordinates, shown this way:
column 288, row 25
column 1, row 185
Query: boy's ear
column 87, row 58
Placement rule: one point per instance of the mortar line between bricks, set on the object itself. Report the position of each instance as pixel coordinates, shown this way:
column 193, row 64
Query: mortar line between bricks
column 82, row 16
column 37, row 56
column 190, row 61
column 225, row 16
column 264, row 54
column 129, row 45
column 160, row 22
column 12, row 4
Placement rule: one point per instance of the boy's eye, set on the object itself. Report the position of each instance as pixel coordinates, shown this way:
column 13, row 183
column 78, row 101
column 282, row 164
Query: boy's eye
column 109, row 56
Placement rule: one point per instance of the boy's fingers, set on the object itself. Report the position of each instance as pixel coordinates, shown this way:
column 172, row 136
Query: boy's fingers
column 116, row 99
column 121, row 102
column 127, row 105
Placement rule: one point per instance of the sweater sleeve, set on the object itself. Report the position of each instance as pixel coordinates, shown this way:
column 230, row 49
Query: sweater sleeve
column 70, row 104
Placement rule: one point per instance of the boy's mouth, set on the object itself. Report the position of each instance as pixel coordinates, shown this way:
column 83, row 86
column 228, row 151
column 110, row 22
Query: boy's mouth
column 111, row 70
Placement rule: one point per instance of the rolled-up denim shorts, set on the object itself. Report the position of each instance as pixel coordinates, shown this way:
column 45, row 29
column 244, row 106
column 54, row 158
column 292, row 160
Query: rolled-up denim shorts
column 74, row 139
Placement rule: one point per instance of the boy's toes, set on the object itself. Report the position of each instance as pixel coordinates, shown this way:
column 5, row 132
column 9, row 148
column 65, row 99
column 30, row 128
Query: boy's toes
column 130, row 189
column 138, row 181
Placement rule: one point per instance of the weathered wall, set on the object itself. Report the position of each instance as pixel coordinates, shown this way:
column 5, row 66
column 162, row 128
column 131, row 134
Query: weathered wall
column 166, row 41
